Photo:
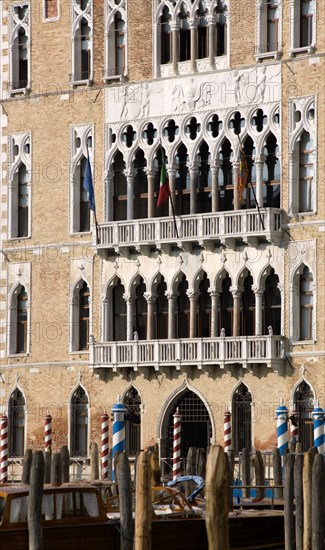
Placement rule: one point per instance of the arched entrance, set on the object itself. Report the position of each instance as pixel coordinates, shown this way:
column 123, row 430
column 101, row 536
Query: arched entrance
column 196, row 429
column 242, row 418
column 304, row 403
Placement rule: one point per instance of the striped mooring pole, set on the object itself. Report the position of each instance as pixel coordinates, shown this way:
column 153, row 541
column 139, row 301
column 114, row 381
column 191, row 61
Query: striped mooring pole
column 227, row 430
column 282, row 427
column 319, row 436
column 48, row 433
column 294, row 426
column 104, row 449
column 118, row 411
column 4, row 449
column 177, row 440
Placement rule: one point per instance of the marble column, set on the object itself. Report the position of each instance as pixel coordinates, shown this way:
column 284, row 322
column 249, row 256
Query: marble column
column 193, row 31
column 107, row 319
column 129, row 174
column 172, row 297
column 236, row 311
column 151, row 175
column 193, row 297
column 109, row 183
column 235, row 176
column 194, row 171
column 212, row 40
column 293, row 173
column 215, row 166
column 258, row 310
column 151, row 300
column 175, row 40
column 129, row 316
column 214, row 312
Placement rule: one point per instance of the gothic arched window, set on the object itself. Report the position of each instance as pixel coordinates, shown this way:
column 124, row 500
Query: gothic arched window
column 79, row 423
column 242, row 419
column 16, row 424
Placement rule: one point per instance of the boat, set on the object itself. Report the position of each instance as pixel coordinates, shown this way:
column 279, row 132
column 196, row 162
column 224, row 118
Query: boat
column 74, row 517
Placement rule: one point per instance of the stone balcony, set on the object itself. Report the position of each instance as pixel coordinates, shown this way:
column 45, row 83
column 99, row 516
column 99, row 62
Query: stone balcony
column 140, row 355
column 207, row 230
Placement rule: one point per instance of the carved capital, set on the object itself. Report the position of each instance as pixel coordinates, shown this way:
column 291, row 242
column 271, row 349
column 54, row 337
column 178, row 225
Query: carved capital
column 192, row 294
column 150, row 297
column 128, row 297
column 171, row 295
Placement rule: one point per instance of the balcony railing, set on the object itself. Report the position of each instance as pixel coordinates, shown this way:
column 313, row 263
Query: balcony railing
column 220, row 226
column 198, row 352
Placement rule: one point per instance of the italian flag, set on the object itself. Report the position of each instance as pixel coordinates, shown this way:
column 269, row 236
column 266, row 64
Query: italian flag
column 164, row 191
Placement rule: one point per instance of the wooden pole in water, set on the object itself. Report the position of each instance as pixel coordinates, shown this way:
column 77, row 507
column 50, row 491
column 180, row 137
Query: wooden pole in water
column 65, row 456
column 56, row 469
column 230, row 455
column 277, row 472
column 143, row 505
column 259, row 474
column 318, row 503
column 123, row 478
column 246, row 471
column 289, row 534
column 47, row 470
column 201, row 462
column 155, row 468
column 27, row 465
column 299, row 500
column 94, row 461
column 34, row 511
column 216, row 492
column 307, row 481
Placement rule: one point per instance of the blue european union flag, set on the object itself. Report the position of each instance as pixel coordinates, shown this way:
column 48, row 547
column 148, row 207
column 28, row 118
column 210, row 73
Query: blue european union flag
column 88, row 183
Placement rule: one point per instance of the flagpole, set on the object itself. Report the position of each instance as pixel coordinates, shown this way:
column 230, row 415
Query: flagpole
column 252, row 187
column 173, row 211
column 163, row 161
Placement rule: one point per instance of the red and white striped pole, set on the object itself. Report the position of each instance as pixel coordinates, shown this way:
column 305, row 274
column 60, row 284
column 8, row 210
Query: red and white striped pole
column 227, row 430
column 104, row 449
column 177, row 444
column 48, row 433
column 3, row 449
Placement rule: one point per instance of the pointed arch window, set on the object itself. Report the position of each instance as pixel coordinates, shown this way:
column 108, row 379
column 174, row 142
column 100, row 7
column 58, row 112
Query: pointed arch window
column 272, row 304
column 20, row 49
column 306, row 172
column 119, row 313
column 132, row 403
column 84, row 296
column 16, row 424
column 79, row 412
column 165, row 36
column 204, row 308
column 182, row 182
column 82, row 41
column 116, row 42
column 226, row 188
column 184, row 35
column 140, row 186
column 303, row 25
column 271, row 174
column 204, row 191
column 226, row 307
column 161, row 311
column 202, row 34
column 22, row 300
column 247, row 308
column 84, row 198
column 306, row 304
column 119, row 189
column 303, row 401
column 140, row 311
column 183, row 310
column 242, row 419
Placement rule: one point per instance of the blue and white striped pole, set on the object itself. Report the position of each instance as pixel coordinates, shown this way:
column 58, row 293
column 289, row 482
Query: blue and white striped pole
column 319, row 436
column 118, row 411
column 282, row 427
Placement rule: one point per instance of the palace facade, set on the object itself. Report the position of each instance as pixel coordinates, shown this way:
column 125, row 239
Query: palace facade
column 213, row 301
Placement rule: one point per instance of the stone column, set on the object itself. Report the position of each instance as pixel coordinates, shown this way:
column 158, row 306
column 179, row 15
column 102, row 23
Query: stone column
column 193, row 170
column 129, row 174
column 175, row 40
column 293, row 163
column 193, row 31
column 212, row 40
column 171, row 314
column 171, row 180
column 214, row 312
column 259, row 163
column 151, row 300
column 214, row 168
column 107, row 319
column 151, row 173
column 193, row 297
column 258, row 310
column 236, row 311
column 235, row 175
column 129, row 316
column 109, row 181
